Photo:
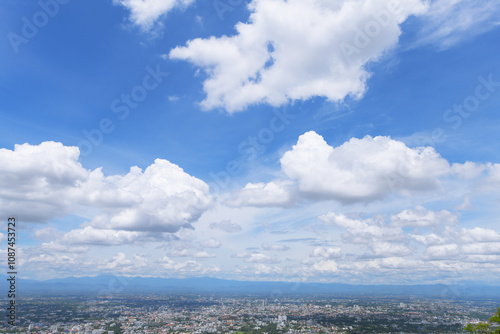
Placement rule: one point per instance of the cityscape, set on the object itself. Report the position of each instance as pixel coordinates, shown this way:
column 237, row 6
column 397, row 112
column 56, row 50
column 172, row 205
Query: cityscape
column 196, row 314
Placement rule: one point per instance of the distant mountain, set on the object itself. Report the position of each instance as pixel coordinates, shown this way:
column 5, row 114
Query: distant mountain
column 107, row 284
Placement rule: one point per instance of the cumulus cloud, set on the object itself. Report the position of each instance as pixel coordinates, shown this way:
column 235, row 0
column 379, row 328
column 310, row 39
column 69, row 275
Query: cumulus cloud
column 189, row 267
column 145, row 12
column 364, row 231
column 328, row 266
column 211, row 243
column 163, row 198
column 463, row 244
column 327, row 252
column 60, row 248
column 360, row 170
column 92, row 236
column 46, row 181
column 448, row 22
column 277, row 193
column 384, row 240
column 203, row 255
column 40, row 181
column 379, row 239
column 180, row 253
column 54, row 260
column 478, row 234
column 428, row 239
column 262, row 269
column 261, row 258
column 122, row 264
column 243, row 255
column 365, row 170
column 46, row 234
column 226, row 226
column 441, row 252
column 388, row 249
column 311, row 49
column 485, row 248
column 421, row 217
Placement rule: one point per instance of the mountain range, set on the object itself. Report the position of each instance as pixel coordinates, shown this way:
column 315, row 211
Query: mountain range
column 108, row 284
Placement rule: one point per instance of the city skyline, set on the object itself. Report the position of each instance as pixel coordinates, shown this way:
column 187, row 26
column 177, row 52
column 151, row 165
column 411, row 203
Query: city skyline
column 303, row 140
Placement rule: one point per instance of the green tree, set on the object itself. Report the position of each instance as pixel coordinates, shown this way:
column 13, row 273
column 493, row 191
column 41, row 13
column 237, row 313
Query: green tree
column 496, row 318
column 482, row 327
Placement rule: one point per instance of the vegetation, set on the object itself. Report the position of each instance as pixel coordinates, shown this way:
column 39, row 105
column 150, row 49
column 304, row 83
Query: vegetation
column 482, row 327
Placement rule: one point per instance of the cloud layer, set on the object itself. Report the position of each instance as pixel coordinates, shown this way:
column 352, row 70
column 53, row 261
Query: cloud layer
column 46, row 181
column 312, row 48
column 360, row 170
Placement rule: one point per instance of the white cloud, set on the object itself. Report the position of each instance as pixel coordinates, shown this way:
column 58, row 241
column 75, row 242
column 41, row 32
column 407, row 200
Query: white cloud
column 379, row 239
column 60, row 248
column 481, row 178
column 483, row 248
column 180, row 253
column 243, row 255
column 211, row 243
column 40, row 181
column 298, row 54
column 468, row 170
column 145, row 12
column 121, row 264
column 421, row 217
column 46, row 234
column 46, row 181
column 479, row 234
column 327, row 252
column 92, row 236
column 226, row 226
column 442, row 252
column 203, row 255
column 448, row 22
column 53, row 259
column 428, row 239
column 280, row 248
column 163, row 198
column 361, row 169
column 189, row 267
column 261, row 258
column 262, row 269
column 365, row 232
column 276, row 193
column 465, row 205
column 388, row 250
column 326, row 266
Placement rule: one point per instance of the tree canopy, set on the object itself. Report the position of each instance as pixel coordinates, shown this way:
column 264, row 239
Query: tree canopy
column 482, row 327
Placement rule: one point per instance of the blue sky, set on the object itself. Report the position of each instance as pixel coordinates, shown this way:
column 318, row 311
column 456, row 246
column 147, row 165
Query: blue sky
column 337, row 141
